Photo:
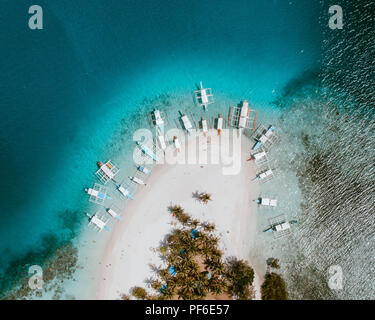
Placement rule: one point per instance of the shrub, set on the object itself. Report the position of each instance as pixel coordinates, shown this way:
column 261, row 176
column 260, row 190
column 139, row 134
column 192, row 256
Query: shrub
column 274, row 287
column 275, row 264
column 139, row 293
column 240, row 276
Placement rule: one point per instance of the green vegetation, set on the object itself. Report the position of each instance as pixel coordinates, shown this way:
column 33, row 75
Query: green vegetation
column 164, row 250
column 178, row 212
column 274, row 286
column 273, row 263
column 204, row 197
column 139, row 293
column 241, row 276
column 192, row 250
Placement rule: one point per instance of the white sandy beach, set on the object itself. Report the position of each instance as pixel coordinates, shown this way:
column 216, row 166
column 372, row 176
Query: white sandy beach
column 134, row 242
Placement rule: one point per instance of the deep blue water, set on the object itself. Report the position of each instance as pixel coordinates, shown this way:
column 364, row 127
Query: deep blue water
column 65, row 89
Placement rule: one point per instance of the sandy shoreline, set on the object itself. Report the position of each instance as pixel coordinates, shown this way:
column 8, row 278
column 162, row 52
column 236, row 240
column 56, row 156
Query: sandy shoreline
column 134, row 242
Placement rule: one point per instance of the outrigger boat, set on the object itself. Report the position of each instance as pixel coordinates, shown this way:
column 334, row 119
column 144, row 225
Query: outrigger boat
column 241, row 117
column 220, row 122
column 244, row 115
column 204, row 126
column 137, row 180
column 113, row 213
column 258, row 156
column 177, row 143
column 267, row 202
column 144, row 170
column 187, row 124
column 204, row 96
column 282, row 226
column 125, row 192
column 264, row 137
column 98, row 222
column 162, row 143
column 147, row 151
column 266, row 174
column 97, row 194
column 158, row 120
column 107, row 171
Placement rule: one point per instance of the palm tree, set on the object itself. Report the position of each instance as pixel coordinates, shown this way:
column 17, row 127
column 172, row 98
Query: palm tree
column 204, row 197
column 194, row 223
column 176, row 209
column 163, row 250
column 209, row 227
column 168, row 293
column 216, row 285
column 155, row 284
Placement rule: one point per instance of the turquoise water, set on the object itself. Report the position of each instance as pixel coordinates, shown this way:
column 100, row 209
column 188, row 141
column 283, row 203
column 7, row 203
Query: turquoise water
column 73, row 93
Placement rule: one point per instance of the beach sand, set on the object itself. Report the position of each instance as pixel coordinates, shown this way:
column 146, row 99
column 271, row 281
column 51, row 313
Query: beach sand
column 134, row 242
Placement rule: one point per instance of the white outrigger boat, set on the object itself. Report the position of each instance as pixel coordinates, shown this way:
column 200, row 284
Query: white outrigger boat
column 244, row 115
column 144, row 170
column 204, row 126
column 267, row 202
column 146, row 150
column 220, row 123
column 161, row 141
column 97, row 194
column 177, row 143
column 264, row 137
column 113, row 213
column 187, row 124
column 241, row 117
column 280, row 226
column 264, row 175
column 158, row 120
column 107, row 171
column 204, row 96
column 97, row 222
column 258, row 156
column 125, row 192
column 137, row 180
